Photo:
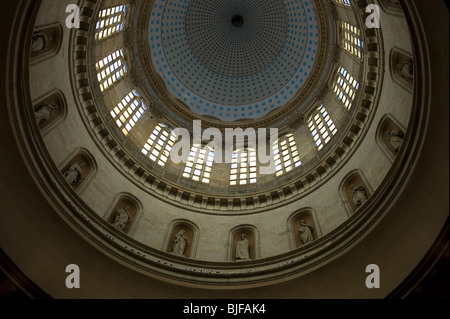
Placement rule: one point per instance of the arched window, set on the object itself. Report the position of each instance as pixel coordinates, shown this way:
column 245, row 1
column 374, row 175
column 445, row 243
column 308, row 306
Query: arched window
column 110, row 21
column 128, row 112
column 160, row 144
column 243, row 167
column 286, row 155
column 199, row 164
column 345, row 87
column 351, row 39
column 343, row 2
column 110, row 69
column 321, row 127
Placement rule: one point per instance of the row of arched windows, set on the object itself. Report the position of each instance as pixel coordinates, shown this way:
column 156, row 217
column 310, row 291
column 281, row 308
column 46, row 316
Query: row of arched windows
column 244, row 163
column 127, row 113
column 52, row 108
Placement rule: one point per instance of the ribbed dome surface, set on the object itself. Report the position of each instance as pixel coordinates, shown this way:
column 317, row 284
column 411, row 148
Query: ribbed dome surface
column 236, row 38
column 233, row 59
column 90, row 130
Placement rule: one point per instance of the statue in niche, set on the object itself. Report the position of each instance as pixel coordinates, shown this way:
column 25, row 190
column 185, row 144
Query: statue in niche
column 306, row 232
column 180, row 243
column 73, row 173
column 243, row 248
column 393, row 3
column 359, row 195
column 40, row 42
column 406, row 69
column 45, row 113
column 395, row 139
column 122, row 218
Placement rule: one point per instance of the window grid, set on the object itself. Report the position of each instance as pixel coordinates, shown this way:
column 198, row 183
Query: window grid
column 128, row 112
column 351, row 39
column 286, row 155
column 343, row 2
column 110, row 21
column 345, row 88
column 243, row 171
column 110, row 69
column 321, row 127
column 159, row 144
column 199, row 164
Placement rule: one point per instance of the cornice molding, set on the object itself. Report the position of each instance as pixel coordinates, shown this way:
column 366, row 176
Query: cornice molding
column 168, row 189
column 188, row 272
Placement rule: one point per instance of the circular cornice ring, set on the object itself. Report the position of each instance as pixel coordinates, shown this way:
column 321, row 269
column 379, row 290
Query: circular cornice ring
column 165, row 187
column 175, row 110
column 186, row 271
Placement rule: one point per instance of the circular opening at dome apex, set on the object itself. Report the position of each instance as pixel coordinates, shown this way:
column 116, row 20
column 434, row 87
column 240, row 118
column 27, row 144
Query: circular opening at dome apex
column 237, row 20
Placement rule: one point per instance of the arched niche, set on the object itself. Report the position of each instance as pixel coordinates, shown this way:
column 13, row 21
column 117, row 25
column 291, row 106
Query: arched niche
column 390, row 136
column 251, row 237
column 124, row 213
column 392, row 7
column 45, row 42
column 50, row 110
column 355, row 191
column 402, row 68
column 307, row 215
column 78, row 169
column 179, row 231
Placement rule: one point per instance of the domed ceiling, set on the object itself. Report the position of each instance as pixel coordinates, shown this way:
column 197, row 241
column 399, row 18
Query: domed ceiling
column 278, row 64
column 234, row 60
column 350, row 103
column 231, row 64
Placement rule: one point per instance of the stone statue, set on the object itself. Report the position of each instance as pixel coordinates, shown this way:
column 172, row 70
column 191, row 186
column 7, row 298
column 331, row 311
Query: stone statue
column 40, row 42
column 359, row 195
column 243, row 248
column 73, row 173
column 395, row 139
column 45, row 113
column 122, row 218
column 180, row 243
column 406, row 69
column 306, row 232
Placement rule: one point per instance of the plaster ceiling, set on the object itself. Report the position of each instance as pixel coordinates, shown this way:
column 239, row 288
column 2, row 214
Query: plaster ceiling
column 234, row 69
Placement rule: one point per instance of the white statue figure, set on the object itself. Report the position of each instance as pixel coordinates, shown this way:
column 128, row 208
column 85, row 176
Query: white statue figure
column 359, row 195
column 180, row 243
column 395, row 139
column 306, row 232
column 122, row 218
column 40, row 42
column 243, row 248
column 73, row 173
column 406, row 69
column 45, row 113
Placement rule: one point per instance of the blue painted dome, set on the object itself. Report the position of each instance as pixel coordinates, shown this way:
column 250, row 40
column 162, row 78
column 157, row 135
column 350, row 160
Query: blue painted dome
column 233, row 59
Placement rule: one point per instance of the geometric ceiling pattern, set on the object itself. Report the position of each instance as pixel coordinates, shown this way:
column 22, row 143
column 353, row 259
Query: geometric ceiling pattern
column 233, row 59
